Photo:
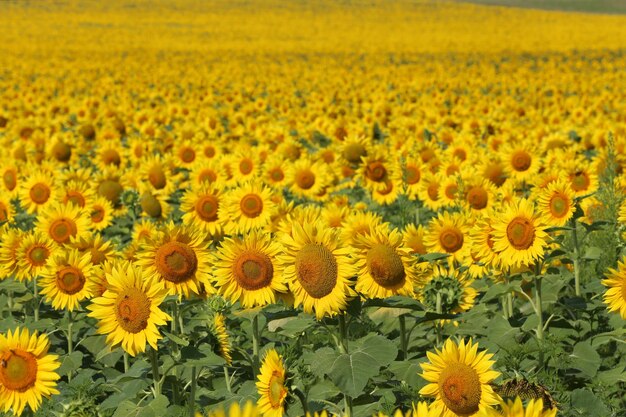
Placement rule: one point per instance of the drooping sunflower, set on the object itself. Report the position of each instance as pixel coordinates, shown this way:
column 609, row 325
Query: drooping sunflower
column 157, row 170
column 519, row 234
column 61, row 223
column 460, row 379
column 515, row 408
column 384, row 264
column 245, row 270
column 37, row 191
column 154, row 203
column 247, row 207
column 128, row 311
column 317, row 268
column 223, row 341
column 33, row 254
column 449, row 233
column 27, row 371
column 271, row 385
column 201, row 207
column 67, row 279
column 615, row 295
column 177, row 258
column 556, row 202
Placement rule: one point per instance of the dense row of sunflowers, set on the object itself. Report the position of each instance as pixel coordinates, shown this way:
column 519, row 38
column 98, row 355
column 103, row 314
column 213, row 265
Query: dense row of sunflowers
column 238, row 186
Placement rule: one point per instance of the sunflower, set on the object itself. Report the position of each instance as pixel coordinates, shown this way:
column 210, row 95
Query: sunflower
column 245, row 164
column 494, row 171
column 63, row 222
column 412, row 174
column 274, row 172
column 245, row 270
column 448, row 233
column 317, row 268
column 128, row 311
column 307, row 178
column 481, row 238
column 375, row 169
column 100, row 213
column 556, row 202
column 460, row 379
column 27, row 371
column 203, row 171
column 67, row 279
column 423, row 409
column 78, row 193
column 10, row 176
column 201, row 207
column 10, row 241
column 154, row 203
column 615, row 295
column 37, row 191
column 110, row 154
column 247, row 207
column 359, row 223
column 519, row 234
column 353, row 149
column 384, row 264
column 223, row 342
column 6, row 210
column 478, row 194
column 520, row 161
column 515, row 408
column 430, row 192
column 392, row 188
column 582, row 180
column 178, row 259
column 33, row 255
column 157, row 170
column 271, row 385
column 413, row 238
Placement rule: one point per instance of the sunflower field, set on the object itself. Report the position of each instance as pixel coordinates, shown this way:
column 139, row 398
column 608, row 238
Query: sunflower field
column 311, row 208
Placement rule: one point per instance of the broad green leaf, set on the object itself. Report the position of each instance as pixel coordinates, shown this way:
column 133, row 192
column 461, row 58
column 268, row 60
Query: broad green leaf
column 70, row 363
column 587, row 404
column 179, row 341
column 586, row 359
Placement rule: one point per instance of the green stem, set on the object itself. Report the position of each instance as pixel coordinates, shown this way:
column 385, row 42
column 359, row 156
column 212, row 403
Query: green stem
column 174, row 321
column 10, row 303
column 348, row 406
column 539, row 311
column 255, row 345
column 154, row 361
column 302, row 399
column 576, row 259
column 192, row 395
column 70, row 342
column 343, row 334
column 403, row 339
column 227, row 379
column 437, row 325
column 36, row 298
column 509, row 302
column 505, row 307
column 125, row 362
column 180, row 319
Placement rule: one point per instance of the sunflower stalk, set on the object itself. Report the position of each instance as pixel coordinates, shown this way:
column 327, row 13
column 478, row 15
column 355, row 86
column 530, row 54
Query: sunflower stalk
column 343, row 348
column 255, row 345
column 36, row 299
column 70, row 344
column 576, row 258
column 403, row 337
column 125, row 356
column 227, row 379
column 154, row 361
column 302, row 397
column 192, row 392
column 438, row 309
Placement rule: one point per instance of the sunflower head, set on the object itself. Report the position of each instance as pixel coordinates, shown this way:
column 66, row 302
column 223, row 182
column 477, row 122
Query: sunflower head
column 271, row 385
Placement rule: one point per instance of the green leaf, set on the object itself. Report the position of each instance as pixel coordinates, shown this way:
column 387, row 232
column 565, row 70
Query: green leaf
column 587, row 404
column 351, row 371
column 202, row 356
column 290, row 326
column 179, row 341
column 586, row 359
column 592, row 253
column 432, row 257
column 71, row 362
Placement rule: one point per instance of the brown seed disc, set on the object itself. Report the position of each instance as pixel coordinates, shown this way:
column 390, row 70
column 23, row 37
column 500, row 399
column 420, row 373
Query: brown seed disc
column 460, row 389
column 477, row 197
column 520, row 233
column 253, row 270
column 18, row 370
column 376, row 171
column 75, row 198
column 246, row 166
column 413, row 175
column 151, row 205
column 206, row 208
column 176, row 262
column 132, row 309
column 70, row 280
column 521, row 160
column 111, row 190
column 316, row 270
column 451, row 239
column 40, row 193
column 37, row 255
column 305, row 179
column 251, row 205
column 157, row 177
column 61, row 230
column 385, row 266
